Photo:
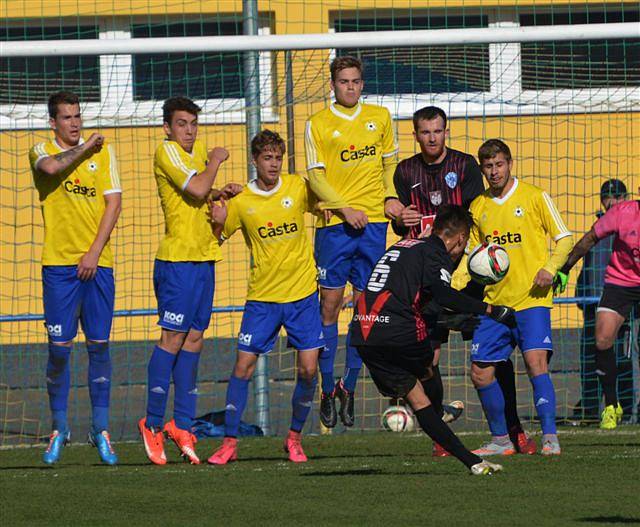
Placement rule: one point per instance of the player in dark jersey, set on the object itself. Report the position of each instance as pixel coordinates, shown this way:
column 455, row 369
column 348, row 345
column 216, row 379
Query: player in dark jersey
column 437, row 176
column 391, row 334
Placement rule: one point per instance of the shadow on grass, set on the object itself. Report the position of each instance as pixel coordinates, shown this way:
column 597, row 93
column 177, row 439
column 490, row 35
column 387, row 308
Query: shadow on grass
column 598, row 444
column 626, row 520
column 369, row 472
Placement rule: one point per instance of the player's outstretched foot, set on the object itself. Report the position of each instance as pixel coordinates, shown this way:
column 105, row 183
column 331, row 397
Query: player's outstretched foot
column 485, row 468
column 452, row 411
column 328, row 414
column 293, row 447
column 226, row 453
column 57, row 440
column 523, row 443
column 611, row 417
column 184, row 440
column 102, row 441
column 551, row 447
column 347, row 404
column 494, row 449
column 439, row 451
column 153, row 441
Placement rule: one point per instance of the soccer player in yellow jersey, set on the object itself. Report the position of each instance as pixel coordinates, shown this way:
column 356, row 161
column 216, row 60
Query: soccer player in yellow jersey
column 80, row 194
column 183, row 276
column 351, row 157
column 283, row 289
column 520, row 217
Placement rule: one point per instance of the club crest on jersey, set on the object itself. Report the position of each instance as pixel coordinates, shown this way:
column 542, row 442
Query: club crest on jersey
column 93, row 166
column 518, row 212
column 451, row 179
column 435, row 197
column 371, row 126
column 287, row 202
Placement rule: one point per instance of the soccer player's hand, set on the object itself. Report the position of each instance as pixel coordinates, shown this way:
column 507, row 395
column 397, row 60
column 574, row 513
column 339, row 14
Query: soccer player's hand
column 464, row 322
column 218, row 154
column 392, row 208
column 560, row 282
column 408, row 217
column 356, row 218
column 94, row 143
column 218, row 213
column 543, row 279
column 88, row 266
column 503, row 314
column 230, row 190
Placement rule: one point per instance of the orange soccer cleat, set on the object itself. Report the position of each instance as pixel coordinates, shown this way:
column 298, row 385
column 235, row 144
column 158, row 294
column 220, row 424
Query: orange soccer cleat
column 153, row 443
column 184, row 440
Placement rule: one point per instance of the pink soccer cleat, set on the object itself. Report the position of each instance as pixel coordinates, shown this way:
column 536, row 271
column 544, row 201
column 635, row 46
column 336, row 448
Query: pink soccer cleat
column 226, row 453
column 293, row 447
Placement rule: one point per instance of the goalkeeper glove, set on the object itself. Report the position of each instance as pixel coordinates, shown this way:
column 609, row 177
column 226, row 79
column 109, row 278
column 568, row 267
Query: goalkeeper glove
column 503, row 314
column 560, row 282
column 466, row 323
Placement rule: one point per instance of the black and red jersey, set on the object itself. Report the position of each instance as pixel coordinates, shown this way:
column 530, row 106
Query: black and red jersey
column 456, row 180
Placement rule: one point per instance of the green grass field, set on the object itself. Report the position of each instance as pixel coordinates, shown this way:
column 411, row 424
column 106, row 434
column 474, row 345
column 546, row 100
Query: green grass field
column 351, row 479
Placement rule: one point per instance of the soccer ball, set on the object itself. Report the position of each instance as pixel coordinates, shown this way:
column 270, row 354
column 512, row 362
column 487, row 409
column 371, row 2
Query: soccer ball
column 488, row 263
column 398, row 419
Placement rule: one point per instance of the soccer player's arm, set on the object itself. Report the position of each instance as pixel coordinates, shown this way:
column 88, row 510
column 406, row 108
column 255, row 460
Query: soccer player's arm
column 392, row 204
column 56, row 164
column 405, row 199
column 554, row 226
column 108, row 182
column 461, row 277
column 472, row 182
column 225, row 219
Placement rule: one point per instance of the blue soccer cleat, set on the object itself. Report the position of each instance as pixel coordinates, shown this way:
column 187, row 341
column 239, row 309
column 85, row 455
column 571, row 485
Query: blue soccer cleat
column 102, row 442
column 57, row 440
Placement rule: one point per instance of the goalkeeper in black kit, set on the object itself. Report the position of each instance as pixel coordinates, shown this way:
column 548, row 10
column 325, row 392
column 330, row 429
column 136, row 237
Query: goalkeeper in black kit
column 391, row 335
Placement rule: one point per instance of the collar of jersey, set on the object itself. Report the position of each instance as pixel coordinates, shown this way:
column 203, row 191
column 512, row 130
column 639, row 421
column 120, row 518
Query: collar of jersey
column 253, row 187
column 501, row 200
column 190, row 154
column 342, row 115
column 80, row 142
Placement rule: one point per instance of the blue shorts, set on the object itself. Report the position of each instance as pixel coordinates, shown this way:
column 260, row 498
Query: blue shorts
column 184, row 291
column 67, row 298
column 261, row 323
column 494, row 342
column 344, row 254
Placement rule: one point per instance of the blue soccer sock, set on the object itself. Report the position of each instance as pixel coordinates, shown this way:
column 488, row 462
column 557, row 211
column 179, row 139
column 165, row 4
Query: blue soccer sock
column 99, row 382
column 352, row 366
column 328, row 356
column 237, row 394
column 58, row 382
column 302, row 401
column 185, row 377
column 544, row 397
column 159, row 378
column 492, row 401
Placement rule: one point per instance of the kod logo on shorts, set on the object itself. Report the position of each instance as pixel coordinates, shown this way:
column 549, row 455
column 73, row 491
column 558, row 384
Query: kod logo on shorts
column 245, row 338
column 55, row 330
column 322, row 273
column 173, row 318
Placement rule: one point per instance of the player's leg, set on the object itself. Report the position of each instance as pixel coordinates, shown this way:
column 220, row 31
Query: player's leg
column 61, row 290
column 608, row 323
column 96, row 317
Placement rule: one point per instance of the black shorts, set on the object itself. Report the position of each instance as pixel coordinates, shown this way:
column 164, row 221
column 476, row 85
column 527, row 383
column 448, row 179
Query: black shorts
column 620, row 299
column 395, row 371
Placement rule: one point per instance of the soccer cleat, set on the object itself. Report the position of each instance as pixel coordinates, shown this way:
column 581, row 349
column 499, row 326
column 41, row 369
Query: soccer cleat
column 494, row 449
column 184, row 440
column 153, row 441
column 551, row 447
column 439, row 451
column 452, row 411
column 226, row 453
column 293, row 447
column 611, row 417
column 57, row 440
column 102, row 442
column 523, row 443
column 328, row 414
column 485, row 468
column 347, row 404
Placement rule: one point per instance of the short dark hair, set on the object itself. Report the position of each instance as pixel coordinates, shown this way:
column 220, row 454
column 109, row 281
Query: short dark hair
column 267, row 140
column 344, row 62
column 428, row 113
column 451, row 220
column 492, row 148
column 177, row 104
column 61, row 97
column 613, row 188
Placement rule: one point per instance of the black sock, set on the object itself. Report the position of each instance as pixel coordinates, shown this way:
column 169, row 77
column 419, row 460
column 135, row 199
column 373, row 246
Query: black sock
column 435, row 391
column 506, row 379
column 437, row 430
column 607, row 373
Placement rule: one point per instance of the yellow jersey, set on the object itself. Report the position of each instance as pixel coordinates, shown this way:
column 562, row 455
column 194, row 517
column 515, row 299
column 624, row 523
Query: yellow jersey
column 188, row 236
column 73, row 203
column 522, row 222
column 272, row 222
column 350, row 148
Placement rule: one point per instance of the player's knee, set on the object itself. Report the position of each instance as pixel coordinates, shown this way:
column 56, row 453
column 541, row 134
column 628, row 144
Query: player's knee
column 307, row 371
column 243, row 371
column 536, row 363
column 66, row 344
column 193, row 343
column 330, row 311
column 604, row 341
column 481, row 376
column 172, row 341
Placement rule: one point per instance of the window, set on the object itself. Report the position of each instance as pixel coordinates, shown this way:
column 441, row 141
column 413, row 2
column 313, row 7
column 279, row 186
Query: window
column 580, row 64
column 31, row 79
column 435, row 69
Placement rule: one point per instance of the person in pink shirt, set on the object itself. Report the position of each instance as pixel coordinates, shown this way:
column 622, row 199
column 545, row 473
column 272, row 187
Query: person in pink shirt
column 621, row 292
